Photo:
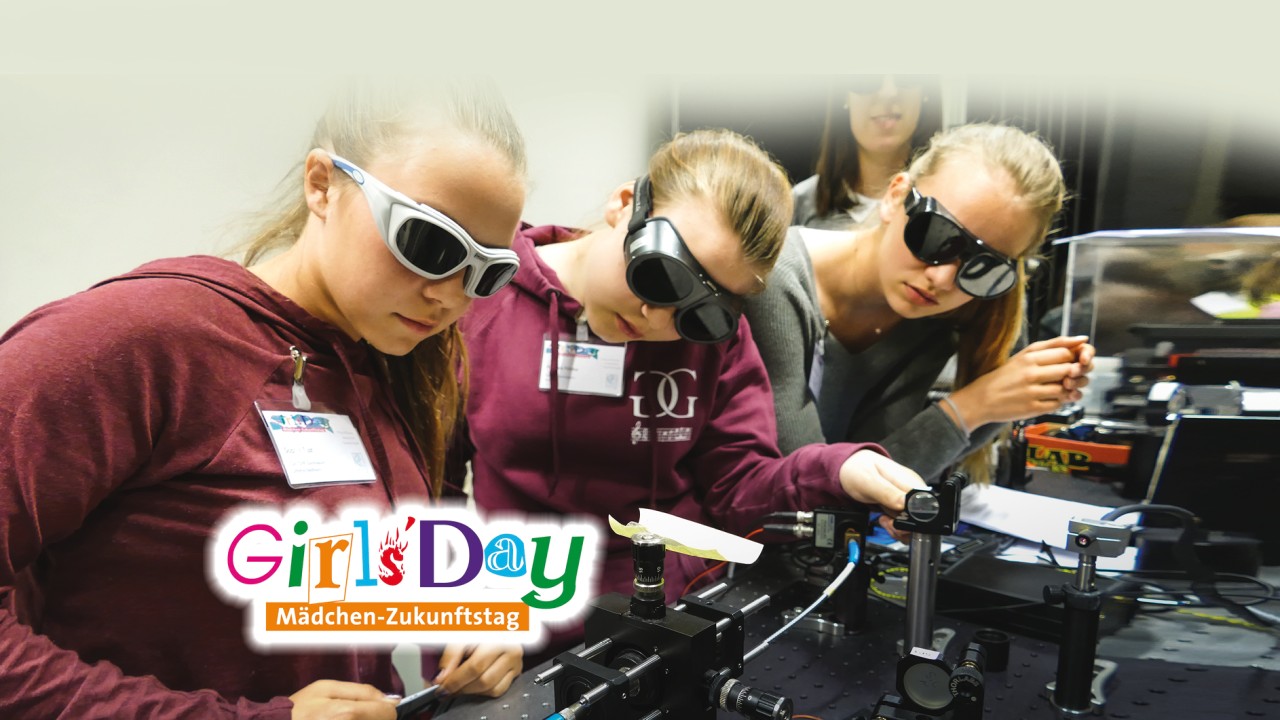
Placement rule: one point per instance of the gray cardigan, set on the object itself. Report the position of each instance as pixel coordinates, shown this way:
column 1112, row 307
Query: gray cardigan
column 878, row 395
column 805, row 198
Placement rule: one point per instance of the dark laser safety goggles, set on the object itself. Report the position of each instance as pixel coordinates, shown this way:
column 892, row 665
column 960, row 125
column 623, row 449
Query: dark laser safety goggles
column 662, row 272
column 428, row 242
column 871, row 84
column 934, row 236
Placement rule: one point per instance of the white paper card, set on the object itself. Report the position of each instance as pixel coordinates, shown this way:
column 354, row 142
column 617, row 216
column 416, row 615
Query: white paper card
column 691, row 538
column 1023, row 515
column 585, row 368
column 1218, row 304
column 316, row 448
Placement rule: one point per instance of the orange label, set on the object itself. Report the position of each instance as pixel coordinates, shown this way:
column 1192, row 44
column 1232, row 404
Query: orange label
column 416, row 616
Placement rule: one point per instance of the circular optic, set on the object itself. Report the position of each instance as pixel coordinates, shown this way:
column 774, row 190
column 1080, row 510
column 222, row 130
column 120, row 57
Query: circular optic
column 927, row 685
column 923, row 506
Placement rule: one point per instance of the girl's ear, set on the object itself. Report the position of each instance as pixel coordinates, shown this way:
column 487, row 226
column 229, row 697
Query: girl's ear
column 894, row 196
column 317, row 178
column 618, row 209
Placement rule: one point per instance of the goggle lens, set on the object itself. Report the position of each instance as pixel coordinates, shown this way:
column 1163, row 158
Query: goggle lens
column 430, row 247
column 936, row 239
column 706, row 323
column 494, row 278
column 664, row 281
column 433, row 249
column 986, row 276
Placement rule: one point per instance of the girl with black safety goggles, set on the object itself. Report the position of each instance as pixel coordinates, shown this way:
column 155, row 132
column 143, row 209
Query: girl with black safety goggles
column 662, row 272
column 659, row 398
column 857, row 326
column 934, row 236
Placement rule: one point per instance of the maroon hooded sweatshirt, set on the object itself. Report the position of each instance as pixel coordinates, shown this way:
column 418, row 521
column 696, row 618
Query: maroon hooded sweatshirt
column 129, row 430
column 693, row 434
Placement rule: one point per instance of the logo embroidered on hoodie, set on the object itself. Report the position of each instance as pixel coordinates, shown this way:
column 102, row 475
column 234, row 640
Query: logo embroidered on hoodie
column 665, row 395
column 639, row 434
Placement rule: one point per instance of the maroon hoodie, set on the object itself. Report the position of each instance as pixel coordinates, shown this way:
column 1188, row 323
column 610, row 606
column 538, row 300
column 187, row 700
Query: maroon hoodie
column 129, row 430
column 693, row 433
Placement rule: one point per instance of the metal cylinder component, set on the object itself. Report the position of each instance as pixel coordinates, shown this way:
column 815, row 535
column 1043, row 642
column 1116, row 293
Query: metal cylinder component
column 922, row 583
column 550, row 673
column 648, row 556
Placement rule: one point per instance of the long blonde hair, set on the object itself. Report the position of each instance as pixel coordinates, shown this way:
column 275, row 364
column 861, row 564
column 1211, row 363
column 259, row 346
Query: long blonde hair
column 373, row 121
column 747, row 186
column 989, row 329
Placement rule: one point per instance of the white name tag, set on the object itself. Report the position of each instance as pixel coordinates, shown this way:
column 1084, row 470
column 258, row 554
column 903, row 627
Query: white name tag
column 316, row 447
column 585, row 368
column 815, row 372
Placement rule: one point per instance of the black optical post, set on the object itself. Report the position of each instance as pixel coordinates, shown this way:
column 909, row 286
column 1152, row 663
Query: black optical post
column 1073, row 692
column 929, row 514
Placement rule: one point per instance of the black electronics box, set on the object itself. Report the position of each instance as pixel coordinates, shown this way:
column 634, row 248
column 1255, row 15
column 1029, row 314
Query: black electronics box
column 1009, row 595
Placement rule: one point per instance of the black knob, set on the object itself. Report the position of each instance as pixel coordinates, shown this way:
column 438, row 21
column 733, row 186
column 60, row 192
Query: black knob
column 1054, row 594
column 966, row 683
column 648, row 555
column 753, row 703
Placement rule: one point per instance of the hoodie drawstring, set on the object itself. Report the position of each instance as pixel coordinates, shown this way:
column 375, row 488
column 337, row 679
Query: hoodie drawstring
column 553, row 372
column 375, row 438
column 650, row 426
column 653, row 468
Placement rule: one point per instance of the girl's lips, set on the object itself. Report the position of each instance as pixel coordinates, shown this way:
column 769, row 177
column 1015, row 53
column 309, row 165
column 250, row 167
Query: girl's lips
column 418, row 327
column 628, row 329
column 886, row 122
column 920, row 297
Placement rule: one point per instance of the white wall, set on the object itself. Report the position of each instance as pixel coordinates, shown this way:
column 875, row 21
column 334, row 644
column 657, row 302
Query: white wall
column 100, row 174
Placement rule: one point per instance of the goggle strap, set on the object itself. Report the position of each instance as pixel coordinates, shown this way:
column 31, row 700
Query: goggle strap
column 913, row 199
column 641, row 204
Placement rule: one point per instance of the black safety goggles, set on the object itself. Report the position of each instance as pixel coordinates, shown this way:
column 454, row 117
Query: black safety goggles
column 934, row 236
column 430, row 243
column 871, row 84
column 662, row 272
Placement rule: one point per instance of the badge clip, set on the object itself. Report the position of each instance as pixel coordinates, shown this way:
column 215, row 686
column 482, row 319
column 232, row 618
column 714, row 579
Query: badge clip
column 300, row 399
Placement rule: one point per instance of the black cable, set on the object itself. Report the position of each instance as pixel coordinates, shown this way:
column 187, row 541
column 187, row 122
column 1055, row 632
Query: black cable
column 1048, row 550
column 1178, row 575
column 1202, row 578
column 1167, row 509
column 1253, row 599
column 823, row 557
column 1208, row 591
column 1015, row 606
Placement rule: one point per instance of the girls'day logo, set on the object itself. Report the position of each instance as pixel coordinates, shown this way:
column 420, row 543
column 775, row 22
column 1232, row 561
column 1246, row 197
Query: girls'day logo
column 424, row 575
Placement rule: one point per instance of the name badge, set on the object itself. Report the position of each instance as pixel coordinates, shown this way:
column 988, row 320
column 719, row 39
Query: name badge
column 316, row 447
column 585, row 368
column 815, row 371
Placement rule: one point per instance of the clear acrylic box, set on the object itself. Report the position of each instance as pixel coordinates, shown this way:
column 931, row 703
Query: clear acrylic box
column 1185, row 283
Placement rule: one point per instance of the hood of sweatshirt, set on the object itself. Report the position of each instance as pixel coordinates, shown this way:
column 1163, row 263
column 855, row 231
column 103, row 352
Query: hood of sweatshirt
column 330, row 355
column 133, row 432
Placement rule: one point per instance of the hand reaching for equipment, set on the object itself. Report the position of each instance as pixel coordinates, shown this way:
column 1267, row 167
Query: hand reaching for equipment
column 871, row 478
column 337, row 700
column 479, row 670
